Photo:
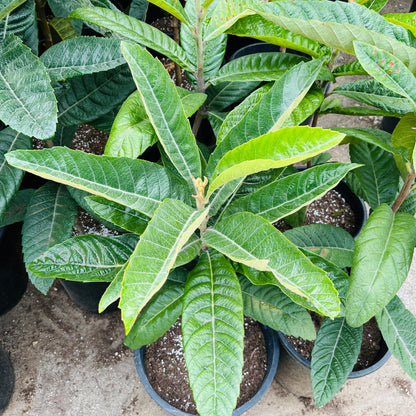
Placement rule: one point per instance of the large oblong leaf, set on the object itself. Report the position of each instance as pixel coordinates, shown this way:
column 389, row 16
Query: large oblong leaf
column 28, row 101
column 170, row 228
column 334, row 355
column 164, row 109
column 85, row 258
column 388, row 70
column 135, row 30
column 49, row 219
column 338, row 24
column 213, row 334
column 251, row 240
column 289, row 194
column 81, row 55
column 138, row 184
column 10, row 177
column 273, row 150
column 270, row 306
column 398, row 326
column 382, row 257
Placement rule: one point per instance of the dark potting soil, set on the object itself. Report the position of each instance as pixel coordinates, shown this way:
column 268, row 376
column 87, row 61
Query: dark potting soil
column 331, row 209
column 370, row 346
column 166, row 370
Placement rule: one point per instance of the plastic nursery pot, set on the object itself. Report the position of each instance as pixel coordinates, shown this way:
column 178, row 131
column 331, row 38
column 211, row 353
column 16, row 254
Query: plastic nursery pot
column 6, row 381
column 13, row 277
column 273, row 353
column 294, row 372
column 87, row 295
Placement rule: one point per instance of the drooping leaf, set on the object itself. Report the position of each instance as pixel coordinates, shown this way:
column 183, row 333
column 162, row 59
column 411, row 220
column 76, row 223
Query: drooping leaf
column 48, row 221
column 248, row 120
column 398, row 326
column 136, row 31
column 10, row 178
column 273, row 150
column 249, row 239
column 388, row 70
column 80, row 56
column 338, row 24
column 334, row 355
column 85, row 258
column 213, row 334
column 28, row 102
column 289, row 194
column 371, row 92
column 113, row 291
column 171, row 227
column 16, row 209
column 159, row 315
column 85, row 98
column 120, row 215
column 259, row 28
column 382, row 257
column 333, row 243
column 164, row 109
column 378, row 180
column 270, row 306
column 138, row 184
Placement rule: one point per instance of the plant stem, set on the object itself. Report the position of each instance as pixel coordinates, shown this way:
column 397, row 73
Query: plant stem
column 405, row 191
column 40, row 11
column 176, row 38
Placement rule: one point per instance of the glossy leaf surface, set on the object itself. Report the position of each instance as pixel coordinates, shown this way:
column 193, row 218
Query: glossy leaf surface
column 28, row 101
column 213, row 334
column 382, row 257
column 171, row 227
column 251, row 240
column 138, row 184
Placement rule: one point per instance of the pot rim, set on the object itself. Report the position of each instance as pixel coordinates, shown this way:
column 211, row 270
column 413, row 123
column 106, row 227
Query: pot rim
column 273, row 352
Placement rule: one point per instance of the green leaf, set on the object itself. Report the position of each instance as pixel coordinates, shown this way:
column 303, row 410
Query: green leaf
column 159, row 315
column 247, row 121
column 404, row 135
column 85, row 258
column 376, row 5
column 120, row 215
column 137, row 184
column 85, row 98
column 259, row 28
column 382, row 257
column 213, row 334
column 113, row 291
column 28, row 102
column 16, row 209
column 138, row 9
column 226, row 192
column 169, row 230
column 64, row 135
column 338, row 25
column 378, row 180
column 266, row 66
column 350, row 68
column 10, row 178
column 398, row 326
column 135, row 30
column 164, row 109
column 371, row 92
column 8, row 8
column 270, row 306
column 80, row 56
column 63, row 28
column 273, row 150
column 289, row 194
column 334, row 355
column 333, row 243
column 388, row 70
column 48, row 221
column 174, row 8
column 406, row 20
column 251, row 240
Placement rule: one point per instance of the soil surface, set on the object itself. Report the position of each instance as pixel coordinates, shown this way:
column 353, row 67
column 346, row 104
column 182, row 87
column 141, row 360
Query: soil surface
column 370, row 347
column 166, row 370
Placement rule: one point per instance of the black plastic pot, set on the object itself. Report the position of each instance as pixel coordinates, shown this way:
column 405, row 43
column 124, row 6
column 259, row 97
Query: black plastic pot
column 6, row 381
column 87, row 295
column 273, row 353
column 13, row 277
